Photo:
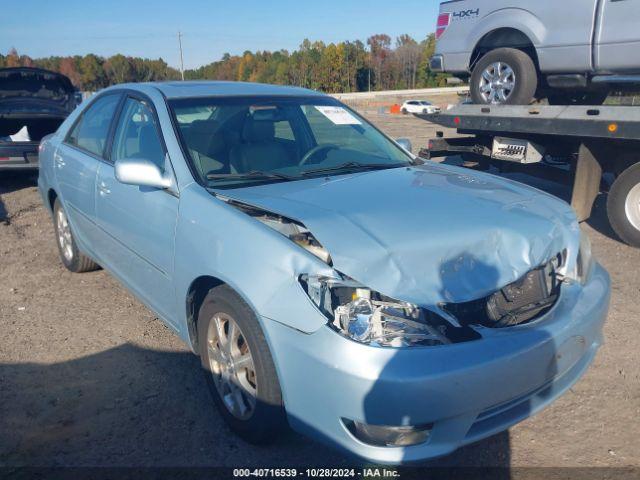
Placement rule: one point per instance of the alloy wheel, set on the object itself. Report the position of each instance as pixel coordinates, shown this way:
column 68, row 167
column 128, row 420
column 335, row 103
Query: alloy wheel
column 497, row 83
column 232, row 366
column 63, row 231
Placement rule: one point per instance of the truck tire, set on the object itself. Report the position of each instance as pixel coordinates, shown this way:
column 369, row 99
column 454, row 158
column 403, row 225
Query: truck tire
column 505, row 76
column 577, row 98
column 238, row 367
column 74, row 260
column 623, row 206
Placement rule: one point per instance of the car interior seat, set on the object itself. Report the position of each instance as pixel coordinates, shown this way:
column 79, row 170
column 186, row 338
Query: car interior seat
column 259, row 149
column 207, row 146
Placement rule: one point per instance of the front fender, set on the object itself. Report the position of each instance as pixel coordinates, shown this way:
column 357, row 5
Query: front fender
column 214, row 239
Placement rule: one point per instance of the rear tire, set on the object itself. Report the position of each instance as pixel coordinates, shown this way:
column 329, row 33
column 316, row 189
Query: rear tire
column 623, row 206
column 71, row 257
column 489, row 84
column 404, row 111
column 256, row 413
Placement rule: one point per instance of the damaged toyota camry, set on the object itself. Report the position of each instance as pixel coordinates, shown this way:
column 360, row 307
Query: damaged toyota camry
column 327, row 278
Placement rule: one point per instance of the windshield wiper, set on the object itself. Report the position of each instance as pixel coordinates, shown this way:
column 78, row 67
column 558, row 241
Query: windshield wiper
column 353, row 166
column 252, row 175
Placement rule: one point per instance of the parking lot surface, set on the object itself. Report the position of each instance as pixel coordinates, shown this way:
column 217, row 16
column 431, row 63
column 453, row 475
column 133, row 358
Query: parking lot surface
column 89, row 377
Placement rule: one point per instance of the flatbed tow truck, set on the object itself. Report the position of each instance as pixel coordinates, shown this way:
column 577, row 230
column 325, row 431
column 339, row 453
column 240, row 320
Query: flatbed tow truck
column 595, row 148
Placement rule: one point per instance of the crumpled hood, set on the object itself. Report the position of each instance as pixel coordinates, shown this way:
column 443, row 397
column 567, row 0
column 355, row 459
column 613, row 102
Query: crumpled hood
column 427, row 234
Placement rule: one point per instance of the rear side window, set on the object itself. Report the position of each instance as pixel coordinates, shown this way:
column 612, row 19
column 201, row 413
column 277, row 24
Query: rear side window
column 137, row 134
column 91, row 132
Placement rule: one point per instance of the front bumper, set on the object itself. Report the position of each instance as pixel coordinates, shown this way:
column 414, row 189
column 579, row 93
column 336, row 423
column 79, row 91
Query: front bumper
column 467, row 391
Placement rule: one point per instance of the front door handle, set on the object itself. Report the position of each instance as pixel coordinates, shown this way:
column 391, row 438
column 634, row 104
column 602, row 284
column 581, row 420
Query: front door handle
column 103, row 189
column 59, row 161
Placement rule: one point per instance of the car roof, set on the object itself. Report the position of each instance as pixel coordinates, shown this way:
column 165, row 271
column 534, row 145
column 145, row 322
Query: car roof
column 191, row 89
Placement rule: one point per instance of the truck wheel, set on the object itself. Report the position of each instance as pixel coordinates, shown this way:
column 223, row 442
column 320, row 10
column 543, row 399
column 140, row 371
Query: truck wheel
column 623, row 206
column 504, row 76
column 584, row 98
column 71, row 257
column 239, row 368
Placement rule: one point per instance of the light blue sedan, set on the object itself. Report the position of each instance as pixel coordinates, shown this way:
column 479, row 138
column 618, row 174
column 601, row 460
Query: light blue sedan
column 327, row 278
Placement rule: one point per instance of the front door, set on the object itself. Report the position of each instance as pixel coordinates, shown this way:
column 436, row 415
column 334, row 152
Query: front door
column 139, row 222
column 618, row 37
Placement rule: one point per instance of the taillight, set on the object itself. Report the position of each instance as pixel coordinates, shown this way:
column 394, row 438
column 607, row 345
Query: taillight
column 443, row 22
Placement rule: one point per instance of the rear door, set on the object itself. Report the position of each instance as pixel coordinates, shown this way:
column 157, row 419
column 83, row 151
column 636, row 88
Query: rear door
column 617, row 46
column 76, row 163
column 138, row 223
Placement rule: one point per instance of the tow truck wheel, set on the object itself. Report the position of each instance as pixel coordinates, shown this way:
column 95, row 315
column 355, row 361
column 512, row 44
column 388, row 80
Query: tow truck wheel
column 623, row 206
column 504, row 76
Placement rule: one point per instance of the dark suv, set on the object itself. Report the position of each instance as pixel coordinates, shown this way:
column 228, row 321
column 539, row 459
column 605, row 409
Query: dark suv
column 33, row 104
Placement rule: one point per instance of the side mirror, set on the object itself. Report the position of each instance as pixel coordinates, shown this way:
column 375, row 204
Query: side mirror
column 143, row 173
column 405, row 143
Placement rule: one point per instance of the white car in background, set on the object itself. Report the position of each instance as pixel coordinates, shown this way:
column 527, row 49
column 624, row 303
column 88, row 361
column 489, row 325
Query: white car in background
column 419, row 106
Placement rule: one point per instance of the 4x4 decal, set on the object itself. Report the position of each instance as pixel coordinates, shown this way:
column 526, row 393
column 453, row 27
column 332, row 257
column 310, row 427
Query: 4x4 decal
column 464, row 14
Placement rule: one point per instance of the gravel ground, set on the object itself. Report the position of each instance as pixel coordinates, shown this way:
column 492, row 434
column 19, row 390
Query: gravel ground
column 89, row 377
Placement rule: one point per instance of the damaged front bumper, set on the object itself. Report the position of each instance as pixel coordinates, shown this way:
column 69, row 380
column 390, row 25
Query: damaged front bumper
column 459, row 393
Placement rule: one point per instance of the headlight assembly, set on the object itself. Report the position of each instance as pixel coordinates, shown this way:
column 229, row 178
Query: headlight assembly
column 368, row 317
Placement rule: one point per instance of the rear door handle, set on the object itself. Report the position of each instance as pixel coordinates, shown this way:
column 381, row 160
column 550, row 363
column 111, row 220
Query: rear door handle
column 103, row 189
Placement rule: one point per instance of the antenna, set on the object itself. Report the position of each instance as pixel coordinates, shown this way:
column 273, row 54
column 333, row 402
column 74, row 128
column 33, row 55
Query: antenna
column 181, row 57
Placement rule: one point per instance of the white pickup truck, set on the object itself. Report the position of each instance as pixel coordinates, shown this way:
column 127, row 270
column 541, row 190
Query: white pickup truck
column 570, row 51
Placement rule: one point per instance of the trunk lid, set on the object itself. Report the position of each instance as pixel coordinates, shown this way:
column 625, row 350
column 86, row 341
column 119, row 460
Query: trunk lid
column 28, row 92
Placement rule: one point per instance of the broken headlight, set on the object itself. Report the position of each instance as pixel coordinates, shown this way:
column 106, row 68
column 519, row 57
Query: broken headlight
column 368, row 317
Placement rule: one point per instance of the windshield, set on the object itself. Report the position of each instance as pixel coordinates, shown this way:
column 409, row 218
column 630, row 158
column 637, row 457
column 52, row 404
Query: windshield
column 241, row 141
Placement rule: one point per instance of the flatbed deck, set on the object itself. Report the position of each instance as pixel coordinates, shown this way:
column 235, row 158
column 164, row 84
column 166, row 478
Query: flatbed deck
column 605, row 122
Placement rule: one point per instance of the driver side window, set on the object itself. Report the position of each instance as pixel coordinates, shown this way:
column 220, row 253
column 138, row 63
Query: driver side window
column 137, row 134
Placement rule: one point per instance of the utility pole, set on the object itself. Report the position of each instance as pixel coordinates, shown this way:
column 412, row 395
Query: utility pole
column 181, row 57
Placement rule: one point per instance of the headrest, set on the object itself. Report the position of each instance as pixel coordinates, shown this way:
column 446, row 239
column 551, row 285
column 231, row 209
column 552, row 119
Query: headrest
column 258, row 131
column 205, row 136
column 204, row 126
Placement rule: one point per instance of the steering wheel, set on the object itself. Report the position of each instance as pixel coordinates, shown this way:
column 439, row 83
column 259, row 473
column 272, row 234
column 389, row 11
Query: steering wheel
column 317, row 149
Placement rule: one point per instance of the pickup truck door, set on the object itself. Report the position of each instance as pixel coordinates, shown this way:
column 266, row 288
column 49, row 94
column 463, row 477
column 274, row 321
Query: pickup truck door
column 138, row 223
column 617, row 46
column 568, row 34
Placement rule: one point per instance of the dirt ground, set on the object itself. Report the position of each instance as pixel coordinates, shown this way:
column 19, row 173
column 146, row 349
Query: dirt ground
column 88, row 376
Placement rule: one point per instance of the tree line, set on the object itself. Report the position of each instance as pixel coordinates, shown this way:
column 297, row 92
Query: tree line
column 351, row 66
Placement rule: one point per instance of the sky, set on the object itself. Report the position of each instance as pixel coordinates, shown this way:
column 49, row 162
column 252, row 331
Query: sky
column 149, row 28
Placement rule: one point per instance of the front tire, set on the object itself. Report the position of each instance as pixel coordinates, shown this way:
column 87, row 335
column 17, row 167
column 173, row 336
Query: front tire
column 505, row 76
column 239, row 368
column 623, row 206
column 71, row 257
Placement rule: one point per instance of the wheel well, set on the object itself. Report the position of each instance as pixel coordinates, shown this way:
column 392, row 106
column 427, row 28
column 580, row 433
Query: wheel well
column 51, row 196
column 503, row 38
column 198, row 290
